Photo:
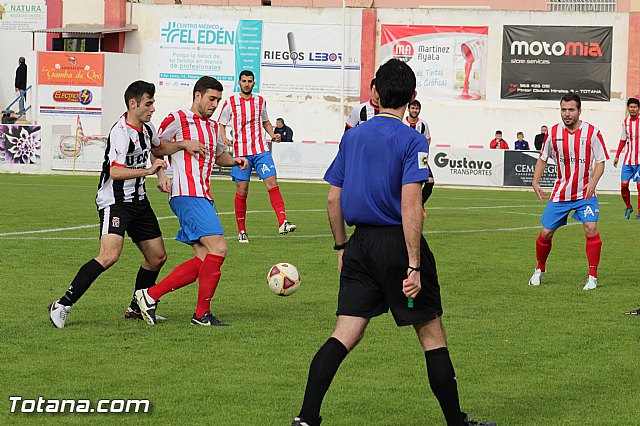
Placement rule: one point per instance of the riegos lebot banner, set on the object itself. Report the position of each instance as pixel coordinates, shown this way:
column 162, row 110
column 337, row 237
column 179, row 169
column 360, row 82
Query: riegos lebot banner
column 544, row 62
column 449, row 62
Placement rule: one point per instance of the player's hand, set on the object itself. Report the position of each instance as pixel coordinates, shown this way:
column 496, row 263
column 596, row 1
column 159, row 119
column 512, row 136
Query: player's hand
column 591, row 189
column 164, row 183
column 411, row 285
column 158, row 164
column 615, row 162
column 227, row 142
column 539, row 192
column 241, row 162
column 195, row 147
column 277, row 137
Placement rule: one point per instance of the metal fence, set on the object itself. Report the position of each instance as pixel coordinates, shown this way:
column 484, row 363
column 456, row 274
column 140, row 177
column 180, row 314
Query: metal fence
column 582, row 5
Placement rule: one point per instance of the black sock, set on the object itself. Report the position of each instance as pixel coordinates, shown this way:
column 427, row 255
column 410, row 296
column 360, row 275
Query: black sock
column 442, row 380
column 144, row 279
column 321, row 372
column 427, row 189
column 82, row 281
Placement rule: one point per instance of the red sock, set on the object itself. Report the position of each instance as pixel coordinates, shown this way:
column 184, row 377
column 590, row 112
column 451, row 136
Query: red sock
column 593, row 248
column 278, row 204
column 241, row 213
column 626, row 194
column 182, row 275
column 543, row 248
column 209, row 277
column 638, row 188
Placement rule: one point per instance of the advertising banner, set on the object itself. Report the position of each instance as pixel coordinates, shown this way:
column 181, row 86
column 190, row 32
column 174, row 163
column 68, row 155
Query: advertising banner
column 20, row 144
column 307, row 58
column 467, row 167
column 23, row 15
column 449, row 62
column 71, row 69
column 545, row 62
column 69, row 100
column 191, row 48
column 520, row 165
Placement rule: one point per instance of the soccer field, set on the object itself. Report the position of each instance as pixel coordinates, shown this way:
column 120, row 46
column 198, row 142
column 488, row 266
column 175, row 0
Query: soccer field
column 548, row 355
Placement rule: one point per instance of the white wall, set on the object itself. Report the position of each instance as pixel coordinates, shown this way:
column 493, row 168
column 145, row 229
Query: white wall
column 14, row 45
column 83, row 12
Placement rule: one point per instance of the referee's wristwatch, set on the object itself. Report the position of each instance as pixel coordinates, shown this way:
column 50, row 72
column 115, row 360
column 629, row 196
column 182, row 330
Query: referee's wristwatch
column 339, row 247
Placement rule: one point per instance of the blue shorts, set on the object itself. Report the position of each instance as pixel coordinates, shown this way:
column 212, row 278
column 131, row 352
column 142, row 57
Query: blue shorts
column 262, row 163
column 556, row 213
column 630, row 173
column 197, row 217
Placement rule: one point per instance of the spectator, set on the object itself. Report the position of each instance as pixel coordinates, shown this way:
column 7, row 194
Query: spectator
column 498, row 142
column 521, row 143
column 285, row 132
column 540, row 138
column 21, row 82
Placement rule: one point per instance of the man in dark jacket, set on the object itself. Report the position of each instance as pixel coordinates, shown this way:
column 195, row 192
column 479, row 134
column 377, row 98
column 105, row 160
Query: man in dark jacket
column 283, row 130
column 540, row 138
column 21, row 82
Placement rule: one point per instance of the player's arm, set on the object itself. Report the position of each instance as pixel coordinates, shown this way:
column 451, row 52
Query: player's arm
column 225, row 159
column 336, row 220
column 268, row 127
column 353, row 119
column 164, row 183
column 620, row 148
column 537, row 174
column 170, row 147
column 121, row 172
column 412, row 221
column 598, row 171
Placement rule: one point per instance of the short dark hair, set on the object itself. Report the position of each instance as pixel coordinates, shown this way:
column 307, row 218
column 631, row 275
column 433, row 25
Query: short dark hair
column 415, row 102
column 373, row 83
column 520, row 133
column 498, row 132
column 205, row 83
column 21, row 60
column 572, row 96
column 248, row 73
column 395, row 84
column 633, row 101
column 281, row 119
column 137, row 89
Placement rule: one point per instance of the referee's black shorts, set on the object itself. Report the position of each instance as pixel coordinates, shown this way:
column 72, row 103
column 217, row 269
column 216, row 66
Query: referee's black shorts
column 137, row 218
column 374, row 264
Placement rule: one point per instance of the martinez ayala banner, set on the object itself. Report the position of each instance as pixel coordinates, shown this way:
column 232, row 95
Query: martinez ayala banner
column 545, row 62
column 191, row 48
column 449, row 62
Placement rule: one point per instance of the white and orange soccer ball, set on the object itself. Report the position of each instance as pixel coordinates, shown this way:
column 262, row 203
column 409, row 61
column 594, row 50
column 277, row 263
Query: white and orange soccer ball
column 283, row 279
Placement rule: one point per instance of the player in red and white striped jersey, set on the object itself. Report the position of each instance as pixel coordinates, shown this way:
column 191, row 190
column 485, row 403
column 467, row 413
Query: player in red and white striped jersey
column 191, row 138
column 248, row 114
column 363, row 112
column 631, row 165
column 122, row 202
column 415, row 122
column 579, row 153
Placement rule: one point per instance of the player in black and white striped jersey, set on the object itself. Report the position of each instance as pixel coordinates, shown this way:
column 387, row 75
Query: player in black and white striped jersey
column 364, row 111
column 122, row 203
column 414, row 121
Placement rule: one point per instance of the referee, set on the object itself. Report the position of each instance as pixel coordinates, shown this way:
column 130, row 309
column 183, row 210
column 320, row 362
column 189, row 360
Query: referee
column 375, row 182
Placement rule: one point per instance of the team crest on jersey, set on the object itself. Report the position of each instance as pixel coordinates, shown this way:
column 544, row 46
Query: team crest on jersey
column 265, row 169
column 115, row 222
column 423, row 160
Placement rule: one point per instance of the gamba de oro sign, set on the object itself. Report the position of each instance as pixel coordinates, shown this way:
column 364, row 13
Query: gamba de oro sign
column 546, row 62
column 71, row 69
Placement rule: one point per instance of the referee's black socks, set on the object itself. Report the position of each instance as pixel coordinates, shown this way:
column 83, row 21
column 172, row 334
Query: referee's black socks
column 82, row 281
column 146, row 278
column 321, row 372
column 442, row 379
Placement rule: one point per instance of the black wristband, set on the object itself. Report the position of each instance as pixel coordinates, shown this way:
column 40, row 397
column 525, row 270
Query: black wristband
column 338, row 247
column 412, row 268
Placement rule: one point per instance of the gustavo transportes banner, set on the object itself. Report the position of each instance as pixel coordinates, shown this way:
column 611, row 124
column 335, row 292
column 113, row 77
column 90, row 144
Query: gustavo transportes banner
column 450, row 62
column 545, row 62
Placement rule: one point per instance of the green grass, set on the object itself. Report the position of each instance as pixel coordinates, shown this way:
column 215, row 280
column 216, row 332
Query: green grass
column 523, row 356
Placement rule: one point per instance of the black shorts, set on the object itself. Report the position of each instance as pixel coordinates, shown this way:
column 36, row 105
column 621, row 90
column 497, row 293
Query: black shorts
column 374, row 264
column 136, row 218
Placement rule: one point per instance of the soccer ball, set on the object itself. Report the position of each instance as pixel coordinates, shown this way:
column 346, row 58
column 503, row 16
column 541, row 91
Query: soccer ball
column 283, row 279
